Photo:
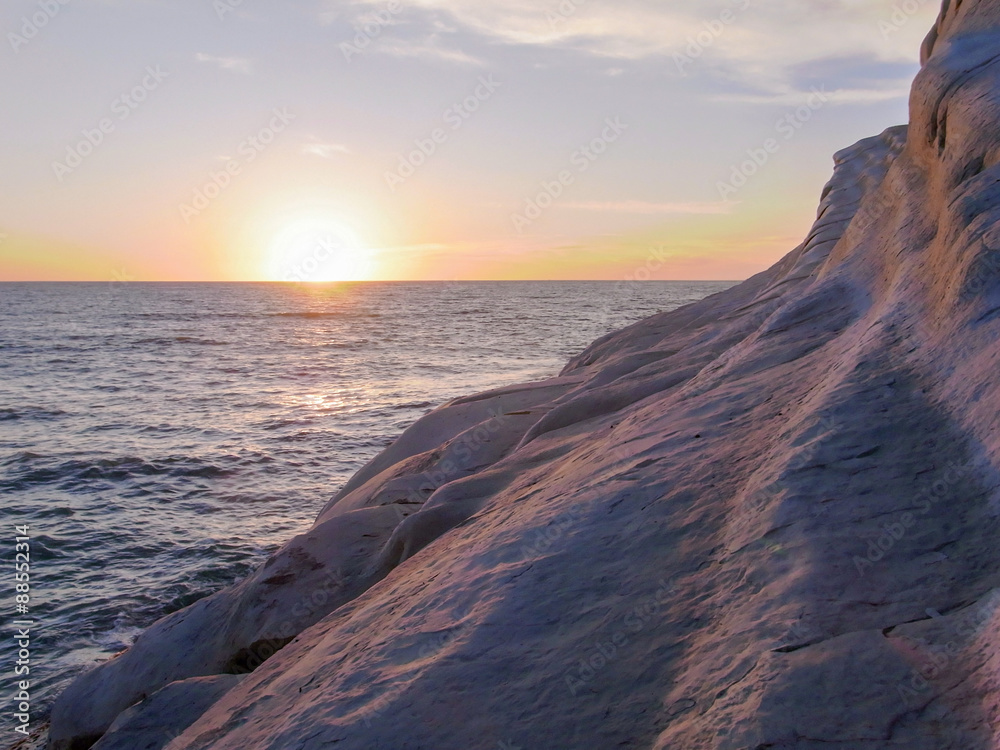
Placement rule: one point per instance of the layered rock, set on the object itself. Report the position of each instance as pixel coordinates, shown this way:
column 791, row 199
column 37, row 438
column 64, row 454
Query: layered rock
column 153, row 723
column 766, row 520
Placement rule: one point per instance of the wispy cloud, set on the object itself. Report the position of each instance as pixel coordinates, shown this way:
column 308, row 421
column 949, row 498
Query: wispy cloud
column 644, row 207
column 325, row 150
column 235, row 64
column 417, row 249
column 793, row 98
column 428, row 48
column 757, row 45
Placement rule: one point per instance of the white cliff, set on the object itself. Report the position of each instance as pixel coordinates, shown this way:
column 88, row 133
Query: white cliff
column 766, row 520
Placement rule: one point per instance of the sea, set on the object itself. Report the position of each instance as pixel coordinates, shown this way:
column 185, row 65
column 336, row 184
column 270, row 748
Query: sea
column 161, row 440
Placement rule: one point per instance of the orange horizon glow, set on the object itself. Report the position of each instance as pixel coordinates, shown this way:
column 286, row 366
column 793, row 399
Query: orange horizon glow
column 321, row 246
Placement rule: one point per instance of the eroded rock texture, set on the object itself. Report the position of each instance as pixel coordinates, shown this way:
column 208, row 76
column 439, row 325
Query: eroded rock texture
column 766, row 520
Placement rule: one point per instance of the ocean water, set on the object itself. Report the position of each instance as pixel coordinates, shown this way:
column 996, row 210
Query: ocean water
column 162, row 439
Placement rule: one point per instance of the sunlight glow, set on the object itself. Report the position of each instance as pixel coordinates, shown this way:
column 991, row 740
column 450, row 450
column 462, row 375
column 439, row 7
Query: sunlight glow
column 318, row 250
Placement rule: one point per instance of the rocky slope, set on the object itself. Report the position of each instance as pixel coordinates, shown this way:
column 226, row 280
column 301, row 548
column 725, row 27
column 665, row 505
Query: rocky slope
column 766, row 520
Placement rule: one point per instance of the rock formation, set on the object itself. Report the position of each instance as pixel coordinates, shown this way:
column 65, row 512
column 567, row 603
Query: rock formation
column 765, row 520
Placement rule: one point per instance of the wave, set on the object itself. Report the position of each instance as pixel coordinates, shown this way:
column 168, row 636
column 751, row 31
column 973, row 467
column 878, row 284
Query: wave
column 280, row 424
column 321, row 315
column 360, row 344
column 21, row 457
column 415, row 405
column 170, row 340
column 30, row 412
column 74, row 473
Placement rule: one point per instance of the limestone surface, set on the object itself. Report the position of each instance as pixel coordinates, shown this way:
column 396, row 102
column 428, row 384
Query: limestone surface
column 767, row 520
column 154, row 722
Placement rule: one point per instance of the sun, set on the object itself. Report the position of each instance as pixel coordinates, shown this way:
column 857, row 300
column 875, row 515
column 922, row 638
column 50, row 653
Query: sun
column 318, row 250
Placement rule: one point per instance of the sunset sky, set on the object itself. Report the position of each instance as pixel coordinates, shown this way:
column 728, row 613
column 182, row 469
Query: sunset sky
column 432, row 139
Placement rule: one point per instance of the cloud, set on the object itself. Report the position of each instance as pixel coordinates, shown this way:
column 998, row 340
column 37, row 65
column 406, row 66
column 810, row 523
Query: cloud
column 418, row 32
column 859, row 79
column 416, row 249
column 235, row 64
column 328, row 17
column 325, row 150
column 429, row 48
column 754, row 43
column 644, row 207
column 797, row 98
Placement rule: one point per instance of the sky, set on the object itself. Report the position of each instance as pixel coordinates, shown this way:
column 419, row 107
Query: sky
column 312, row 140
